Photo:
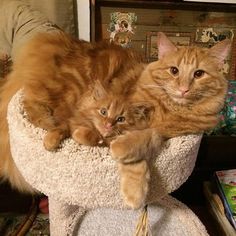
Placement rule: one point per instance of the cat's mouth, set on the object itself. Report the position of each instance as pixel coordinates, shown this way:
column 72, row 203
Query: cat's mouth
column 106, row 134
column 181, row 98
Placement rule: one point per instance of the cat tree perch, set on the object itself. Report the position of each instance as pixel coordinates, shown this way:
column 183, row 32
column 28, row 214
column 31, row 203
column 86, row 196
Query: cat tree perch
column 82, row 183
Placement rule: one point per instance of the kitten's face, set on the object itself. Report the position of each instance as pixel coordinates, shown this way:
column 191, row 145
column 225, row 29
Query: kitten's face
column 188, row 74
column 113, row 116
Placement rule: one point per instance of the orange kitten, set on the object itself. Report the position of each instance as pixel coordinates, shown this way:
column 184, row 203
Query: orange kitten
column 101, row 116
column 187, row 90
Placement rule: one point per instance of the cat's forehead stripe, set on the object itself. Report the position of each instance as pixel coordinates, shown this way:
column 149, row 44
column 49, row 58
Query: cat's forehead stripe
column 116, row 107
column 189, row 57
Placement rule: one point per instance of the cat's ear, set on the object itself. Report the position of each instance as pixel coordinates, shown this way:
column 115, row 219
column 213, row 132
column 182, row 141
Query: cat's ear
column 165, row 46
column 99, row 91
column 221, row 50
column 142, row 110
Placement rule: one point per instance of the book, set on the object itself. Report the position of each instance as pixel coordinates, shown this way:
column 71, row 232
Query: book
column 226, row 186
column 216, row 208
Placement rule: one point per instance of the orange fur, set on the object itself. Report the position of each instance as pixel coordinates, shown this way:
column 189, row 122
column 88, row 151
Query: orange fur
column 102, row 115
column 183, row 104
column 56, row 71
column 187, row 92
column 8, row 169
column 59, row 74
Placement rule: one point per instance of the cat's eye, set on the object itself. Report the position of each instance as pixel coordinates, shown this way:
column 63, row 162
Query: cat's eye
column 103, row 111
column 174, row 70
column 198, row 73
column 120, row 119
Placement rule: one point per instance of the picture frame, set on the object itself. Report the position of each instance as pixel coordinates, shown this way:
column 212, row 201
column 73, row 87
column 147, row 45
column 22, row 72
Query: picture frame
column 212, row 35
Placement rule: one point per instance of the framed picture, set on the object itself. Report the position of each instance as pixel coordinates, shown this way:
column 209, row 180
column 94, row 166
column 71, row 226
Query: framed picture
column 210, row 35
column 178, row 38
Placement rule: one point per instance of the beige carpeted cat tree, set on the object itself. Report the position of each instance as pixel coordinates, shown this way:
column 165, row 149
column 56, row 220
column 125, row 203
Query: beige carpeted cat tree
column 82, row 183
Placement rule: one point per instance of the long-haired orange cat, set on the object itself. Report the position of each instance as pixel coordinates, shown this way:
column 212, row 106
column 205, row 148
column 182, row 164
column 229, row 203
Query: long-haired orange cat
column 101, row 115
column 187, row 90
column 56, row 71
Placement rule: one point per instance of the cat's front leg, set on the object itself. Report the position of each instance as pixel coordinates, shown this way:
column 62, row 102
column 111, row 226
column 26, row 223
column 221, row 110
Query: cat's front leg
column 134, row 184
column 87, row 136
column 123, row 148
column 53, row 139
column 135, row 145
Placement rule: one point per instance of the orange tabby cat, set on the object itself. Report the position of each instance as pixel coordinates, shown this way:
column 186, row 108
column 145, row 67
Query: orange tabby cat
column 101, row 116
column 187, row 90
column 69, row 71
column 55, row 72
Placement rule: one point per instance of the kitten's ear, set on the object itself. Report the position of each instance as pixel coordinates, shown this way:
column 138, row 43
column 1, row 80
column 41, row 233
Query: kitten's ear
column 142, row 110
column 221, row 50
column 164, row 45
column 99, row 91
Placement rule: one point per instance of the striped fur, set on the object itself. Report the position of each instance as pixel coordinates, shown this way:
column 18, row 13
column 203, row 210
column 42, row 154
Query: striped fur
column 187, row 91
column 56, row 71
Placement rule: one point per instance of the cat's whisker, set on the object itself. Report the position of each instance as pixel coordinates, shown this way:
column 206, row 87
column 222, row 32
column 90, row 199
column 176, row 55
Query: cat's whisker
column 118, row 132
column 170, row 90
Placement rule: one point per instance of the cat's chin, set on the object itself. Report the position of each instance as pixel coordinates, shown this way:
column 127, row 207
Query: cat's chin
column 103, row 132
column 180, row 100
column 107, row 135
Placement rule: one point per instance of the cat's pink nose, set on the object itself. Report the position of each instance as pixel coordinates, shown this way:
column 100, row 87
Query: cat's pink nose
column 108, row 125
column 183, row 91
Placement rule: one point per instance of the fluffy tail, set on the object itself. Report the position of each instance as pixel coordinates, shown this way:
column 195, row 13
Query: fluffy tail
column 8, row 169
